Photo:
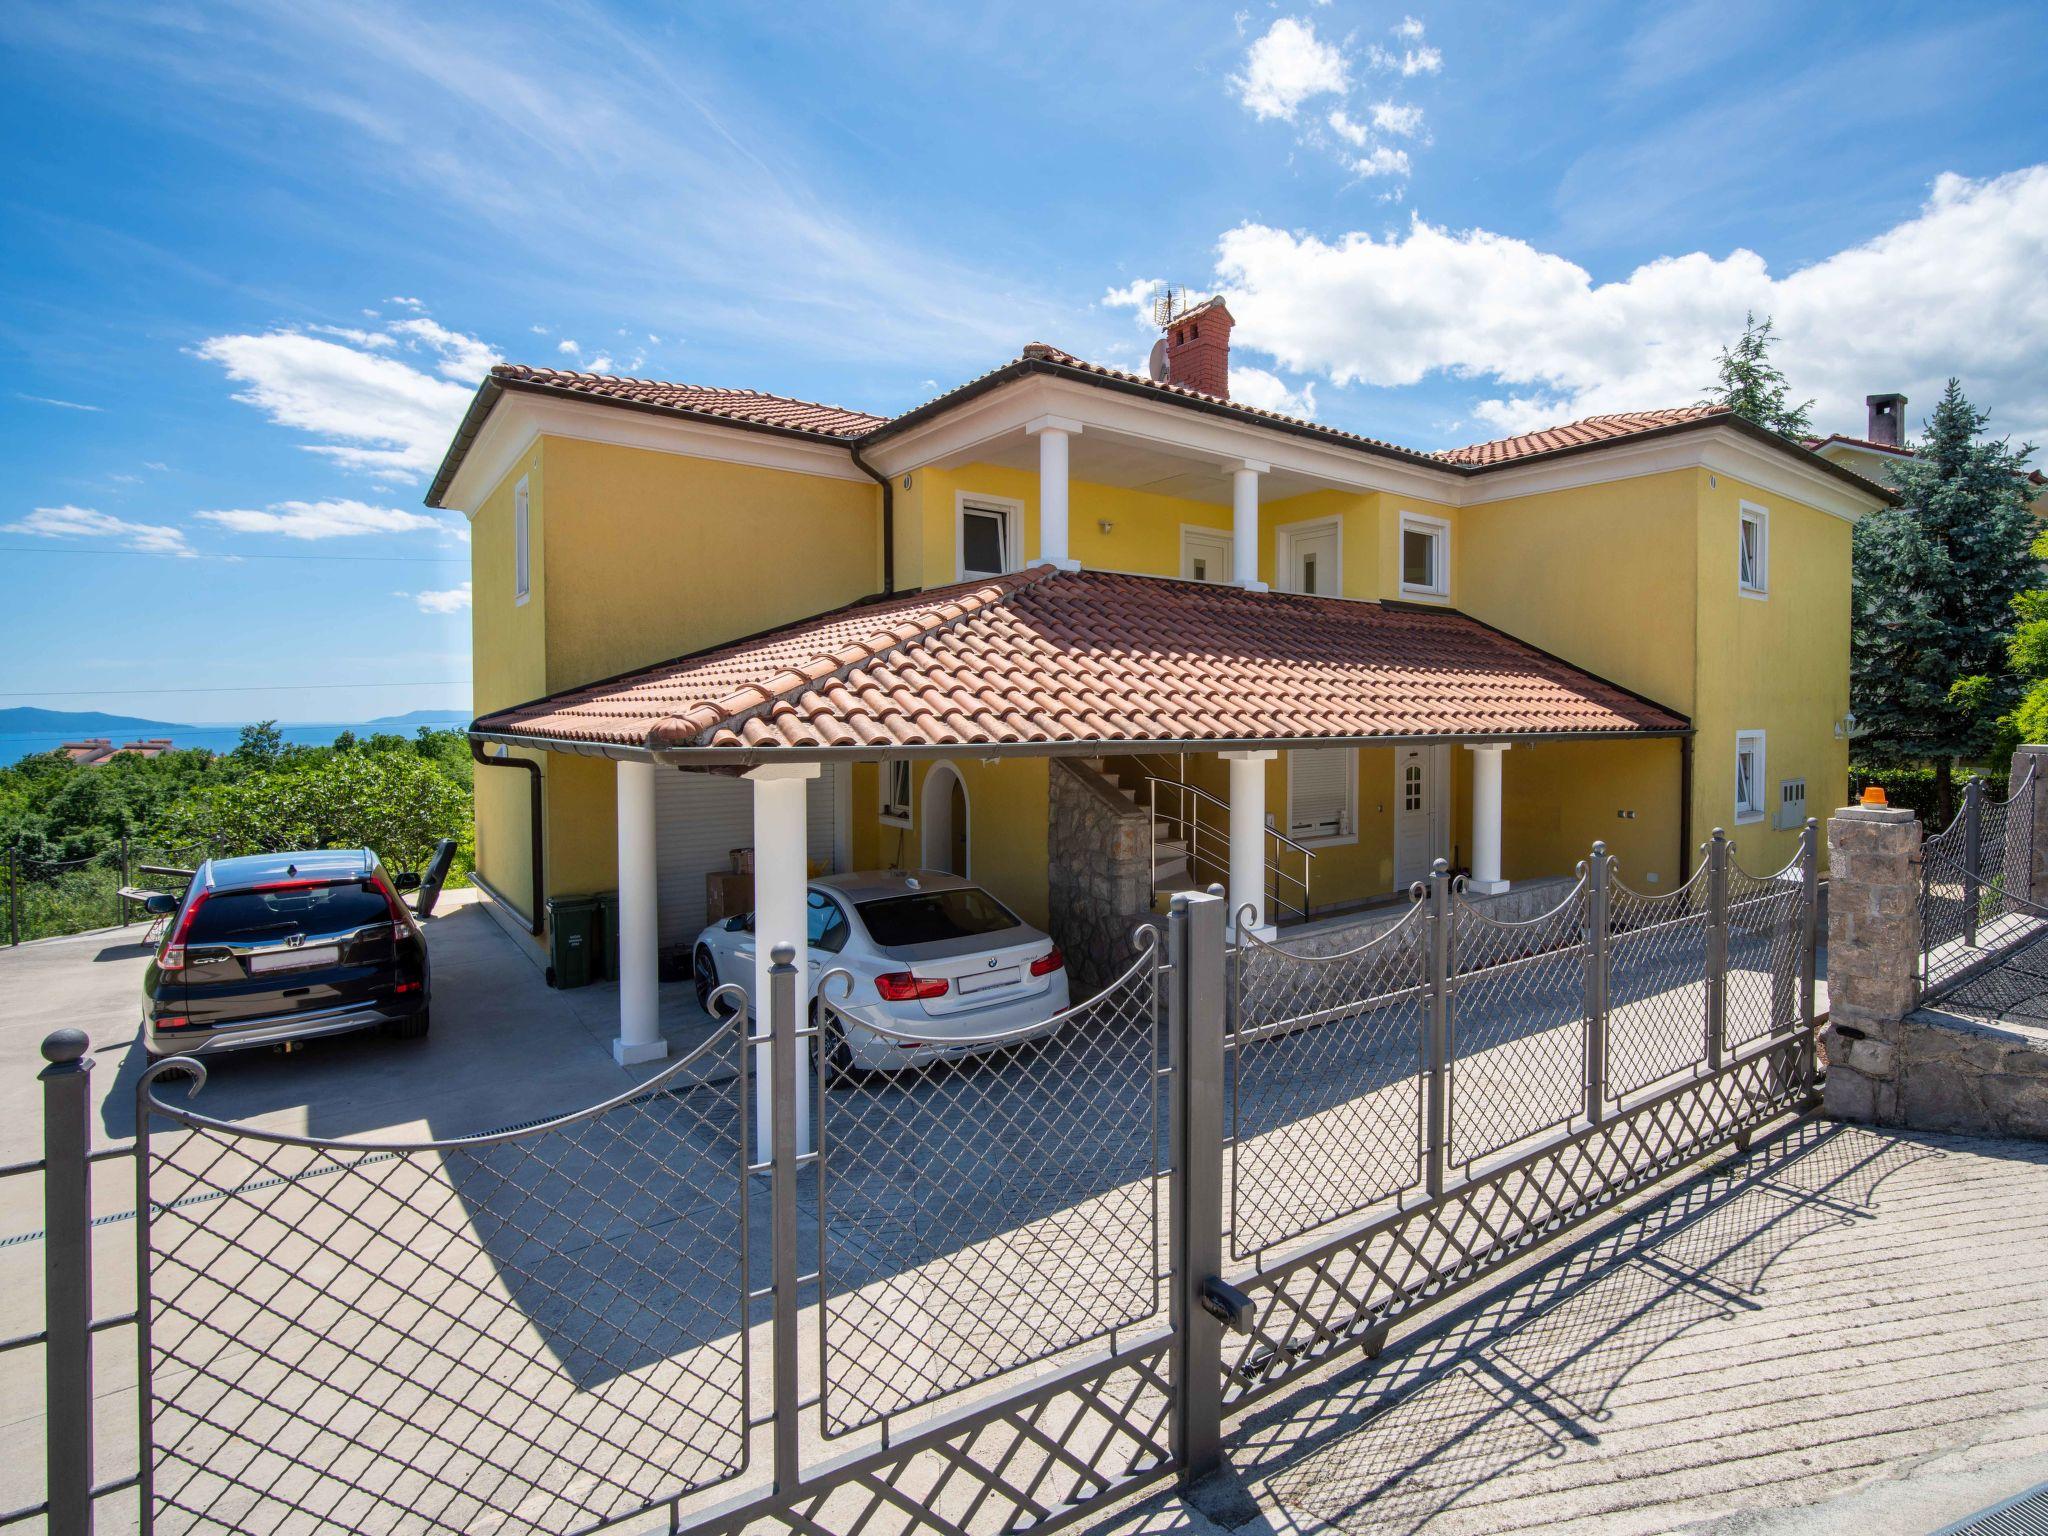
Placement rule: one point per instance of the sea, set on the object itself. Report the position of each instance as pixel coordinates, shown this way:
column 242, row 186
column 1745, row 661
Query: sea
column 218, row 738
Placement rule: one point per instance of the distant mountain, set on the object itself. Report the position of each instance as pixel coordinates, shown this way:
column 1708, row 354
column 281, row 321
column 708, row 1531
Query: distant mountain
column 421, row 717
column 78, row 723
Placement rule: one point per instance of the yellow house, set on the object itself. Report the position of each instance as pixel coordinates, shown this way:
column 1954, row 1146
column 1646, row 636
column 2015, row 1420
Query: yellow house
column 1087, row 635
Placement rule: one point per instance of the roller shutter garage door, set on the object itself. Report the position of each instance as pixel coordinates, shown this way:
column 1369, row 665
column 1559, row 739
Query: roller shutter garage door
column 699, row 818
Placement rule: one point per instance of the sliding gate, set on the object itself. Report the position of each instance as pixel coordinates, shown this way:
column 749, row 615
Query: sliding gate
column 1019, row 1277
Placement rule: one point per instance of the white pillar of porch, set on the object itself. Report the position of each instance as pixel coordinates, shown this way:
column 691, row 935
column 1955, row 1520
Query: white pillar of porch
column 782, row 875
column 639, row 927
column 1247, row 883
column 1486, row 799
column 1244, row 524
column 1052, row 433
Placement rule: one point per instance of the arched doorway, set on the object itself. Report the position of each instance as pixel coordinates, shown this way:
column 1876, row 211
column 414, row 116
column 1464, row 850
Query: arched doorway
column 944, row 816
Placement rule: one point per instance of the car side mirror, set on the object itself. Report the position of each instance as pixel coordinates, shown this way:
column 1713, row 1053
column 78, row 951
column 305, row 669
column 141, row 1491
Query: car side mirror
column 160, row 903
column 406, row 881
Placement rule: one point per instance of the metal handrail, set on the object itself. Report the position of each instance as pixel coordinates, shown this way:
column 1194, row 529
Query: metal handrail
column 1194, row 828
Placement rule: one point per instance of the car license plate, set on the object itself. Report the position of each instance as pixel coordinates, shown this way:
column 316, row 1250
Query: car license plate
column 981, row 981
column 294, row 959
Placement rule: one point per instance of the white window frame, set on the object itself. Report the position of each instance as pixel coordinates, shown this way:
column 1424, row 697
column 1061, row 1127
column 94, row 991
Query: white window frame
column 1439, row 529
column 1212, row 542
column 1749, row 512
column 1758, row 809
column 1285, row 535
column 1013, row 532
column 886, row 772
column 522, row 543
column 1338, row 839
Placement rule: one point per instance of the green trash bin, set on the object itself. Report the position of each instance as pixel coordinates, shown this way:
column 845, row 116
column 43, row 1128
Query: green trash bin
column 608, row 924
column 574, row 940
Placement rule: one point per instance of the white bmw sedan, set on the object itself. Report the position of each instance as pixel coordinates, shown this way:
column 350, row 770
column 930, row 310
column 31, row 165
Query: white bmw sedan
column 940, row 968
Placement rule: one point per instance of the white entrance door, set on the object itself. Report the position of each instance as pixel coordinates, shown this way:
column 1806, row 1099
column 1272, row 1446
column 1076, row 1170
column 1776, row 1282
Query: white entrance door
column 1310, row 560
column 1418, row 812
column 1205, row 555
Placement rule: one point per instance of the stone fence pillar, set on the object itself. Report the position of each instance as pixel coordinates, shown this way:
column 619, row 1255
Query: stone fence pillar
column 1873, row 951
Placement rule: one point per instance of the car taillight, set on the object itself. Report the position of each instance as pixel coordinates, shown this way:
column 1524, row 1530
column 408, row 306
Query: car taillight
column 404, row 987
column 172, row 956
column 173, row 1021
column 392, row 905
column 1052, row 960
column 902, row 987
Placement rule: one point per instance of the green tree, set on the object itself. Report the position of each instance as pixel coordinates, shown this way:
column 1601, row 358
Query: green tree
column 390, row 801
column 1752, row 386
column 262, row 744
column 1935, row 583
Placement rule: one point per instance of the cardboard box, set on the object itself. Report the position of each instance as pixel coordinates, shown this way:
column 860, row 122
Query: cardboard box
column 742, row 861
column 727, row 896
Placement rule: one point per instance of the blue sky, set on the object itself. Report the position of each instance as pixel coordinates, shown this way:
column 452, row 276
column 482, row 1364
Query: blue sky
column 257, row 255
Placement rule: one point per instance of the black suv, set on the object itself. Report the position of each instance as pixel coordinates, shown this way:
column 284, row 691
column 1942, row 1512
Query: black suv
column 284, row 946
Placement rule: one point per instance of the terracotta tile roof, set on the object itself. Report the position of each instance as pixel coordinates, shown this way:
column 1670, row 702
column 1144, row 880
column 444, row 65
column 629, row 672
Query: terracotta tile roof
column 1818, row 443
column 733, row 404
column 1065, row 658
column 1576, row 434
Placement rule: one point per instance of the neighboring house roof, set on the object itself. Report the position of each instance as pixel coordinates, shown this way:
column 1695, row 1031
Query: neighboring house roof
column 1051, row 659
column 786, row 416
column 1583, row 433
column 1889, row 450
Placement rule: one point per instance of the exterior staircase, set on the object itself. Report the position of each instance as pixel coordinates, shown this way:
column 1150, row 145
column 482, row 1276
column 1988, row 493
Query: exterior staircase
column 1172, row 869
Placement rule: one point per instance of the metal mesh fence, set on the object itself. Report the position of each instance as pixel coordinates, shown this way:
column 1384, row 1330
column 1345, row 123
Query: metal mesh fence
column 534, row 1331
column 1517, row 1055
column 1766, row 951
column 1966, row 871
column 989, row 1208
column 1326, row 1081
column 1657, row 984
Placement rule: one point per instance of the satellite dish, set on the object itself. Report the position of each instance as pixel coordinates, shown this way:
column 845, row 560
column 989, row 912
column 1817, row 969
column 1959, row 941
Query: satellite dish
column 1155, row 369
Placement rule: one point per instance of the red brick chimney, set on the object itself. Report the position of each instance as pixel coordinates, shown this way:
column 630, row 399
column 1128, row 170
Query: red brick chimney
column 1198, row 349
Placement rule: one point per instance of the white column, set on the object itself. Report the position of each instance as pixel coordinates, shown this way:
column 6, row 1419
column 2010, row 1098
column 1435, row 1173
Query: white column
column 782, row 876
column 1244, row 523
column 639, row 927
column 1247, row 883
column 1486, row 765
column 1052, row 433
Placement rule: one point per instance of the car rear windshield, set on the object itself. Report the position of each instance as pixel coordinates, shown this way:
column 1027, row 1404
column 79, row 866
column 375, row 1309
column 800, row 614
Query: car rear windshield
column 896, row 922
column 267, row 913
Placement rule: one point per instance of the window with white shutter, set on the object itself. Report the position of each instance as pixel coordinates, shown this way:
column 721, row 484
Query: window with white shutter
column 1321, row 794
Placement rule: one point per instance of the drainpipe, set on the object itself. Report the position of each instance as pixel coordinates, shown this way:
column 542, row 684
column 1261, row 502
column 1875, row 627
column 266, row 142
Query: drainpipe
column 1684, row 808
column 534, row 921
column 888, row 518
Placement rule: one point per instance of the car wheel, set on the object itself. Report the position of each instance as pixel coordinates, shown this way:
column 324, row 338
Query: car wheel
column 406, row 1029
column 704, row 972
column 831, row 1036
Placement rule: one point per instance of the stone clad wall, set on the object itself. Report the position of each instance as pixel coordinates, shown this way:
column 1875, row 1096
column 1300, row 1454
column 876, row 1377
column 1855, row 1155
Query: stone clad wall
column 1098, row 874
column 1890, row 1063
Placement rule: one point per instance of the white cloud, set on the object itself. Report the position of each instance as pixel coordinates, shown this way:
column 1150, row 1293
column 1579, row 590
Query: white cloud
column 463, row 358
column 567, row 348
column 1286, row 66
column 373, row 412
column 1397, row 118
column 1898, row 311
column 1422, row 59
column 405, row 303
column 375, row 340
column 87, row 523
column 334, row 519
column 1267, row 391
column 602, row 363
column 449, row 600
column 1372, row 158
column 69, row 405
column 1137, row 295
